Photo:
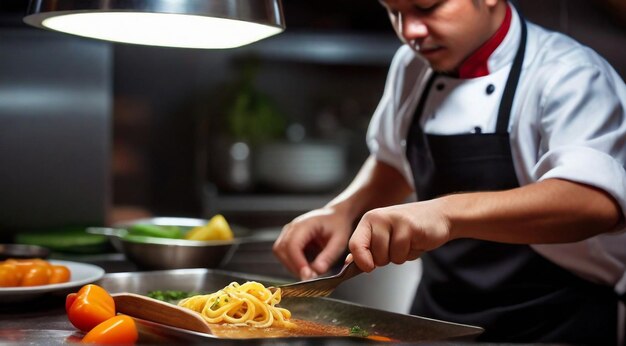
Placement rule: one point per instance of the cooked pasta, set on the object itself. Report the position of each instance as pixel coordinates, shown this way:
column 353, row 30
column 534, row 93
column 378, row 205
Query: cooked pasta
column 248, row 304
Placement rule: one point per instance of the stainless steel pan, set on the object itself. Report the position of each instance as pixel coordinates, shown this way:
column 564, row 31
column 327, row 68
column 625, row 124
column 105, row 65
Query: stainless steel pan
column 404, row 328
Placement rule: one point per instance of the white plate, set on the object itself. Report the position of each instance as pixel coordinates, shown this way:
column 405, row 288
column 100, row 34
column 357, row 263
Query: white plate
column 81, row 274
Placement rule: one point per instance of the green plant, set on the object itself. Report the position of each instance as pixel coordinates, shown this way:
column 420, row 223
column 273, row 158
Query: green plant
column 252, row 115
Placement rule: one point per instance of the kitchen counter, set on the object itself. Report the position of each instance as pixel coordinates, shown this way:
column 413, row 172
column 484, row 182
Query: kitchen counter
column 42, row 321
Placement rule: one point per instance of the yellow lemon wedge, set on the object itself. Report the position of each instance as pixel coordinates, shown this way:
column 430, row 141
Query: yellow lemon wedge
column 216, row 229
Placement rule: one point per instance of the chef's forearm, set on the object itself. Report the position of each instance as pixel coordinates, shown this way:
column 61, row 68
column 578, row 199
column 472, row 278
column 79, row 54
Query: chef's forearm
column 551, row 211
column 376, row 185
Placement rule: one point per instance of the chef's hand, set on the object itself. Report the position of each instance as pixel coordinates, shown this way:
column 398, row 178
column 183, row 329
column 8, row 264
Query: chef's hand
column 324, row 228
column 398, row 234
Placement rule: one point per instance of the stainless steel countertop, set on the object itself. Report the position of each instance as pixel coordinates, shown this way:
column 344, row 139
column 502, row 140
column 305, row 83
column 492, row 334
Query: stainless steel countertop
column 43, row 321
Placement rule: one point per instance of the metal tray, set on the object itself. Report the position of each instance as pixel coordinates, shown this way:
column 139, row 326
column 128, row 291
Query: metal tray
column 404, row 328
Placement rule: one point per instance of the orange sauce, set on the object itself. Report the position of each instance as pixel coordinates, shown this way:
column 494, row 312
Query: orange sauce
column 300, row 328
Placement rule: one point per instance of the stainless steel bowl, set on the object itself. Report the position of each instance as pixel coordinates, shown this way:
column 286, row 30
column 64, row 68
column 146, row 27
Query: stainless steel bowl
column 151, row 253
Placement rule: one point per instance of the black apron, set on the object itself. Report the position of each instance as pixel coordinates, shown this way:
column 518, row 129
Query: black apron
column 512, row 292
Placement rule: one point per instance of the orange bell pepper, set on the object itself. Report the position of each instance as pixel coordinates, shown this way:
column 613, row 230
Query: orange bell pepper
column 69, row 300
column 91, row 306
column 118, row 330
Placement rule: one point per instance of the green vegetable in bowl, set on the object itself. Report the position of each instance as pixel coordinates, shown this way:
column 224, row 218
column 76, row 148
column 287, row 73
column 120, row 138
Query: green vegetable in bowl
column 65, row 239
column 150, row 230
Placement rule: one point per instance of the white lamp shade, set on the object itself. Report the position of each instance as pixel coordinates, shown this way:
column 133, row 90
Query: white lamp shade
column 171, row 23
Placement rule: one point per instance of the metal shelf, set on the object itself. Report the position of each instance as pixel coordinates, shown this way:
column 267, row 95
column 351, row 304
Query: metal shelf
column 263, row 203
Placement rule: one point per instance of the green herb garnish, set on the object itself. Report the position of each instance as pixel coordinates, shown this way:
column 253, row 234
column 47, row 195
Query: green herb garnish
column 358, row 331
column 170, row 296
column 216, row 304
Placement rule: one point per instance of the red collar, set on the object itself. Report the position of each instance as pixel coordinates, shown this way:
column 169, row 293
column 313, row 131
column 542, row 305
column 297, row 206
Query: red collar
column 476, row 64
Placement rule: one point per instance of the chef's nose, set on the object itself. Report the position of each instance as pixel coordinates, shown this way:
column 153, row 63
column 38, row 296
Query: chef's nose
column 412, row 27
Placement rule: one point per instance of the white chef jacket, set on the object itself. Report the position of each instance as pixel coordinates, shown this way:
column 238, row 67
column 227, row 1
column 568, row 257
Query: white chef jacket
column 568, row 121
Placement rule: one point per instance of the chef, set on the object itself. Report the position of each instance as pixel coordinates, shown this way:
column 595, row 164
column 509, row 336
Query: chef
column 513, row 139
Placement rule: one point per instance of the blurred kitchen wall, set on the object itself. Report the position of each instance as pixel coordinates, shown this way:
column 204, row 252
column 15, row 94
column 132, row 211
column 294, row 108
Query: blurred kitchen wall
column 599, row 24
column 316, row 85
column 55, row 113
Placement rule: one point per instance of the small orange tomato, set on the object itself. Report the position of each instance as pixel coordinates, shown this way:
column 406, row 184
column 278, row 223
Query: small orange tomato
column 9, row 276
column 37, row 275
column 24, row 265
column 118, row 330
column 21, row 266
column 59, row 274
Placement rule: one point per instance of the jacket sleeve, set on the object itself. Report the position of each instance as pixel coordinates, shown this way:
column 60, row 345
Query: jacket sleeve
column 583, row 131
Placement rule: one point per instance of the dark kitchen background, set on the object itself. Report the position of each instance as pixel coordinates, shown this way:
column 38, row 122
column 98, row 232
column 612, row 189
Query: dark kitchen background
column 93, row 132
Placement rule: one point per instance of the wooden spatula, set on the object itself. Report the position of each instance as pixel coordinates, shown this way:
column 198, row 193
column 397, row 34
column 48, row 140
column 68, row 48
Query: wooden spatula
column 154, row 310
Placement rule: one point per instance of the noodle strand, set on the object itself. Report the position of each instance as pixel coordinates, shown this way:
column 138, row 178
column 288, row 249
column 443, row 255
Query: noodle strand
column 248, row 304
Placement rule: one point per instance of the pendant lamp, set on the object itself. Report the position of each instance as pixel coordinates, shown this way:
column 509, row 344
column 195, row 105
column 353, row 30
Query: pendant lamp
column 169, row 23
